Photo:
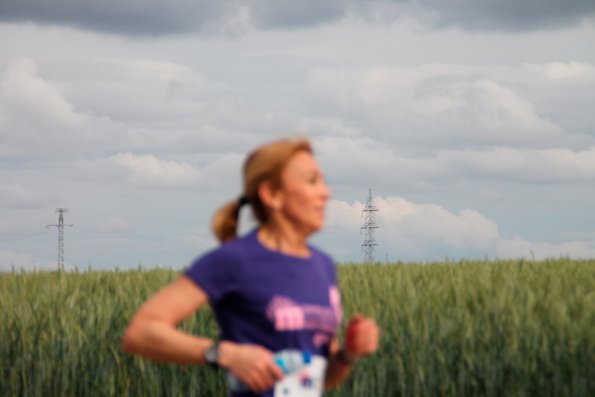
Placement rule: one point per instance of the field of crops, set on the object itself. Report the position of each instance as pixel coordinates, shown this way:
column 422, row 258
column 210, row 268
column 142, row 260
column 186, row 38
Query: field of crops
column 505, row 328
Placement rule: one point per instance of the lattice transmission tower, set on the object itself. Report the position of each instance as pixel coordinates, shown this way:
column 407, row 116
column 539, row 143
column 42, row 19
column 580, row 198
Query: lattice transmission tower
column 368, row 228
column 60, row 227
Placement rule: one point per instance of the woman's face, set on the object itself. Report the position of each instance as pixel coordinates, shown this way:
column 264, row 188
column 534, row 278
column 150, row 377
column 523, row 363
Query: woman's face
column 304, row 193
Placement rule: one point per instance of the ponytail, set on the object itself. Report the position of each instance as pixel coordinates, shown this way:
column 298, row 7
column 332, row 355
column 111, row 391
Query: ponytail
column 225, row 220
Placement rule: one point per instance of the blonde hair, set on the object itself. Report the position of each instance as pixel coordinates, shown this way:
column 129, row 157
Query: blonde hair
column 264, row 164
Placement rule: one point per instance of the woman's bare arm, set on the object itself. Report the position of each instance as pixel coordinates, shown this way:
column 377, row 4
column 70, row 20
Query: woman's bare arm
column 152, row 332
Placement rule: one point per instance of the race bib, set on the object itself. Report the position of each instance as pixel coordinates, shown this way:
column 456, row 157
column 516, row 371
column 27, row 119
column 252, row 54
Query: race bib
column 304, row 374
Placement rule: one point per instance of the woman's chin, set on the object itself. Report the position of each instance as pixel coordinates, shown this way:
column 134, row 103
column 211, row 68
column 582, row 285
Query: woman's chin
column 317, row 227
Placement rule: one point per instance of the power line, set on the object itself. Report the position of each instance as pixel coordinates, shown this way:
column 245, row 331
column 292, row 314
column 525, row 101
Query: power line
column 60, row 227
column 20, row 237
column 369, row 226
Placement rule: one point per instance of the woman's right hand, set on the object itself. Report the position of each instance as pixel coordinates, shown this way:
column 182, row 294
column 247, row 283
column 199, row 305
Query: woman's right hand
column 252, row 364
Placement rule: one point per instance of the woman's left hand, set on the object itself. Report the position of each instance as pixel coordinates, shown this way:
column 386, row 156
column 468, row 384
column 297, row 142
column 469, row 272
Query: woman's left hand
column 361, row 336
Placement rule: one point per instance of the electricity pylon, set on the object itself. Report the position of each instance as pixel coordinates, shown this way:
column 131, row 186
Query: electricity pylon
column 369, row 226
column 60, row 227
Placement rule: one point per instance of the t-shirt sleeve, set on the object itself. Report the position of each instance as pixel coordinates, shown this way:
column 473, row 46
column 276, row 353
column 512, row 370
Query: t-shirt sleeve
column 215, row 273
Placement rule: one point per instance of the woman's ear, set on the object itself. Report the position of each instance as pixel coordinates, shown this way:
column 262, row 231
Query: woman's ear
column 270, row 197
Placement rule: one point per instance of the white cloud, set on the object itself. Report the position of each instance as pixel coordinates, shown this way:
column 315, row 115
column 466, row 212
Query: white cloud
column 133, row 90
column 36, row 120
column 564, row 70
column 548, row 165
column 412, row 231
column 149, row 171
column 367, row 162
column 358, row 160
column 129, row 104
column 101, row 107
column 166, row 72
column 15, row 195
column 200, row 240
column 520, row 248
column 25, row 92
column 429, row 224
column 438, row 105
column 10, row 259
column 343, row 215
column 116, row 224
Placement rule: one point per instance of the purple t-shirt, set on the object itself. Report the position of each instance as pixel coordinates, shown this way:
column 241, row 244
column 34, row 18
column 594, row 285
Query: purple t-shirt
column 265, row 297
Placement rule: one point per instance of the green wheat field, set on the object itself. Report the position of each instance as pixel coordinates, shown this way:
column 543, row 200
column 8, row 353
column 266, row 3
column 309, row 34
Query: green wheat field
column 483, row 328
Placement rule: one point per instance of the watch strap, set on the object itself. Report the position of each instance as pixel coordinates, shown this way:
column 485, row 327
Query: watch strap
column 344, row 357
column 211, row 355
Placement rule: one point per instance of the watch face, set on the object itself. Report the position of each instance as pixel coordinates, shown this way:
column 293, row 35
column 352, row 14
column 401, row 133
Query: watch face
column 212, row 354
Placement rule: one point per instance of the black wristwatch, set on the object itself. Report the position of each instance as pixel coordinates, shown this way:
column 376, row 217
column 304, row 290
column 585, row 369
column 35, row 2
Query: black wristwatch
column 212, row 355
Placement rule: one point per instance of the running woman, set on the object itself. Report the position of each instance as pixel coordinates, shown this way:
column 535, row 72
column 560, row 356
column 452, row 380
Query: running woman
column 275, row 297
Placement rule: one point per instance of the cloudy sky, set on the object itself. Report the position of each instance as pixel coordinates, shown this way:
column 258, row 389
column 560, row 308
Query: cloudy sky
column 473, row 122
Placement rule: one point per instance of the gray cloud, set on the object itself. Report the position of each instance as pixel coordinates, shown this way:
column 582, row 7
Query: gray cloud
column 489, row 15
column 289, row 14
column 232, row 17
column 130, row 17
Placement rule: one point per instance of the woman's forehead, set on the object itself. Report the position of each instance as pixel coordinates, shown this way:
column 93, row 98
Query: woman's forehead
column 302, row 162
